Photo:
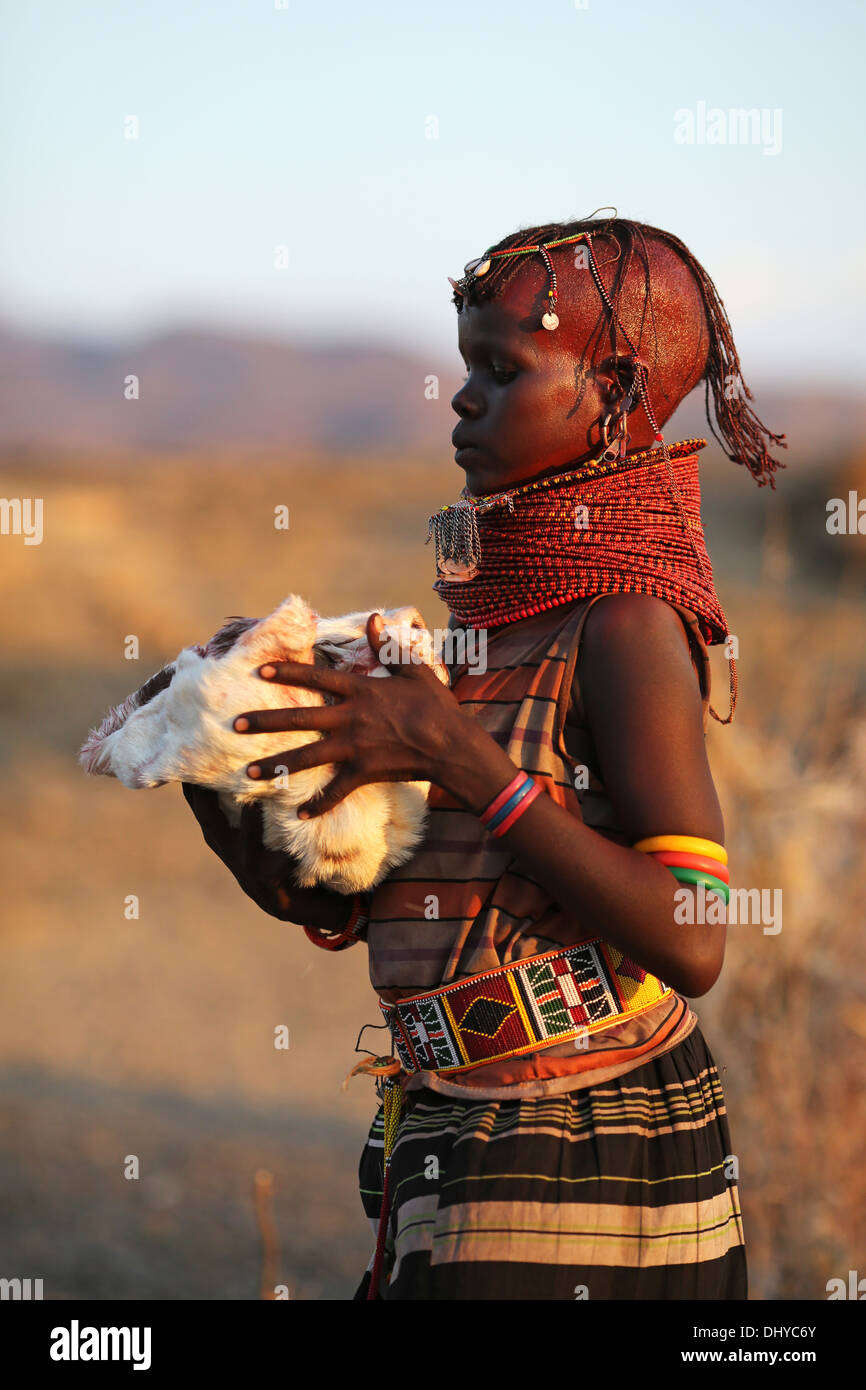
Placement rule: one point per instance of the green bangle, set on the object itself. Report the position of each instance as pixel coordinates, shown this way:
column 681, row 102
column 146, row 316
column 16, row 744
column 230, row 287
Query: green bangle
column 700, row 876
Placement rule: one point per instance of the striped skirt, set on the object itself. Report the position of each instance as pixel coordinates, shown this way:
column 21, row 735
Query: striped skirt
column 624, row 1190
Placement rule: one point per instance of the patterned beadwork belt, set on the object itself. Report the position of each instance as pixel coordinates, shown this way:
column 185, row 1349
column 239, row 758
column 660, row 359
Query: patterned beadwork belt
column 518, row 1008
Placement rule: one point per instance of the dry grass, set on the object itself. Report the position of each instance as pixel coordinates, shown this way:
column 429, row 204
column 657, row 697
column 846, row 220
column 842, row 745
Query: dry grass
column 154, row 1036
column 788, row 1016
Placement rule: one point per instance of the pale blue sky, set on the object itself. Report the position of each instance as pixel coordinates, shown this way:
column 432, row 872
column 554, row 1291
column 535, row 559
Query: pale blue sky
column 305, row 126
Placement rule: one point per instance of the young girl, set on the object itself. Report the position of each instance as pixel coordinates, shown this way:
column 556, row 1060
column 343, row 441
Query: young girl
column 553, row 1124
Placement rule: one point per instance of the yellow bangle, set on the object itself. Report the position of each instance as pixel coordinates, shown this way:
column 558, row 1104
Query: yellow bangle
column 688, row 843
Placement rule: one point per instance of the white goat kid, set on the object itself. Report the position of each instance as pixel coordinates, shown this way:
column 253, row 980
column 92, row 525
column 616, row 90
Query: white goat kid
column 178, row 728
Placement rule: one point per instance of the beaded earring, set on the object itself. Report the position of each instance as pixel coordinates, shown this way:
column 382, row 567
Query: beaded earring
column 616, row 447
column 550, row 320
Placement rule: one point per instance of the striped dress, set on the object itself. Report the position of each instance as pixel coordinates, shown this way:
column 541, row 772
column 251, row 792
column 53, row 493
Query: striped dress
column 606, row 1172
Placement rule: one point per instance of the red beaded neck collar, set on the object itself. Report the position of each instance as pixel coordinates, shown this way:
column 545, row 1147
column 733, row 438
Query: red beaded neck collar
column 631, row 526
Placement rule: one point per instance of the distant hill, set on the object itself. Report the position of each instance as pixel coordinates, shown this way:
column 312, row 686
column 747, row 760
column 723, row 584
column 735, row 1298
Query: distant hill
column 203, row 388
column 207, row 389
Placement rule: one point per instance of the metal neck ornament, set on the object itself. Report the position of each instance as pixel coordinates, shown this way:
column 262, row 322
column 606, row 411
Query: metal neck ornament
column 454, row 528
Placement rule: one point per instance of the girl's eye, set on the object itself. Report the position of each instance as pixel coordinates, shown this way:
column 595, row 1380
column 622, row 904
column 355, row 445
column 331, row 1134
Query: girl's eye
column 500, row 374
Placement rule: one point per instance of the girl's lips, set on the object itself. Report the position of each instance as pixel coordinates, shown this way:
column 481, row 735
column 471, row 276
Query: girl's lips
column 466, row 453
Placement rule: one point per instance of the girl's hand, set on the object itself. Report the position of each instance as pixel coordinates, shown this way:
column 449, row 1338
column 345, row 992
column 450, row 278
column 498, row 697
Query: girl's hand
column 265, row 875
column 409, row 728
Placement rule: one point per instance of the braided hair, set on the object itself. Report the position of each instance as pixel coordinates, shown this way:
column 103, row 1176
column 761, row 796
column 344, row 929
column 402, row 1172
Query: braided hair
column 741, row 434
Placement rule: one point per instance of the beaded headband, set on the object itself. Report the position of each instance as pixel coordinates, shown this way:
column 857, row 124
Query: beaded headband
column 474, row 270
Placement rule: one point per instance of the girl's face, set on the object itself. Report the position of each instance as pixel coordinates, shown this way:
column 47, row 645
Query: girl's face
column 531, row 402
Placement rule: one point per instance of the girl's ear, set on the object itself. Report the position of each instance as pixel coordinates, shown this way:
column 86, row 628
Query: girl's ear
column 617, row 379
column 618, row 383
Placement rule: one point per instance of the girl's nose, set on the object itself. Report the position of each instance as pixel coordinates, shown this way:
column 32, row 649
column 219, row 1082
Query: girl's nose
column 466, row 402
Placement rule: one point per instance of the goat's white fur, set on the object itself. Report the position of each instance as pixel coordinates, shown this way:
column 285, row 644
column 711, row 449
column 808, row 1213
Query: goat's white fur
column 184, row 733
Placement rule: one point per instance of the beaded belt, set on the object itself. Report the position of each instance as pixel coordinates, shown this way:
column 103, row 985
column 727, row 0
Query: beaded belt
column 517, row 1008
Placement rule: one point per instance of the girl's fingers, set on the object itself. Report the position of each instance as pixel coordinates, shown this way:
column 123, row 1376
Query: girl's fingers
column 316, row 754
column 344, row 783
column 409, row 662
column 283, row 721
column 313, row 677
column 375, row 631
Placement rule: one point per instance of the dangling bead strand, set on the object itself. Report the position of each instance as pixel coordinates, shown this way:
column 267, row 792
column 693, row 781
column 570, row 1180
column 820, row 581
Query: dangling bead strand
column 550, row 320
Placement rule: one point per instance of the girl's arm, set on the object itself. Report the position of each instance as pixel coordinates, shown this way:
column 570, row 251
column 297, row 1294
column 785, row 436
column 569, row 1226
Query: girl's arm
column 642, row 701
column 265, row 875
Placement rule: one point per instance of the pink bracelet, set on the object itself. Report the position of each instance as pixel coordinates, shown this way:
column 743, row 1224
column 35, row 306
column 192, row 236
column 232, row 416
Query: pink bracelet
column 515, row 815
column 503, row 796
column 510, row 804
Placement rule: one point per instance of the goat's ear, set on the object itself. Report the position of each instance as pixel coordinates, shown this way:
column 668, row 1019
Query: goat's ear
column 227, row 636
column 91, row 751
column 287, row 634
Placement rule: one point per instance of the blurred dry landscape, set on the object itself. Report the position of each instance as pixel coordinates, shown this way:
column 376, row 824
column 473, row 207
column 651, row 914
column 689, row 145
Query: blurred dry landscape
column 154, row 1036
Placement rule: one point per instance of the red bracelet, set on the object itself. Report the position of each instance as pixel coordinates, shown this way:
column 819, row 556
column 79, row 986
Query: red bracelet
column 509, row 805
column 350, row 935
column 503, row 796
column 515, row 815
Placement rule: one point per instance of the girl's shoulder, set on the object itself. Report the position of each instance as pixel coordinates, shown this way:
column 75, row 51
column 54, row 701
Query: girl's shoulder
column 634, row 622
column 639, row 650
